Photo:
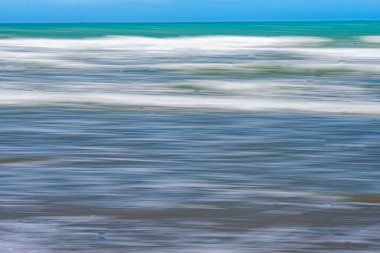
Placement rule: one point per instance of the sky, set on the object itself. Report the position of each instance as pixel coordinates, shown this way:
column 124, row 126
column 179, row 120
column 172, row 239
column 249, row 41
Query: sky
column 64, row 11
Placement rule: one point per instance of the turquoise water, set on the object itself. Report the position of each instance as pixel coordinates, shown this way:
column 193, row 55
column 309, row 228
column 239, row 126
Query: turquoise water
column 83, row 30
column 217, row 137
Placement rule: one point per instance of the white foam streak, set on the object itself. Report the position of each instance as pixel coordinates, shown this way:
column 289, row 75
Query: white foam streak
column 337, row 53
column 191, row 102
column 370, row 39
column 262, row 88
column 255, row 65
column 214, row 43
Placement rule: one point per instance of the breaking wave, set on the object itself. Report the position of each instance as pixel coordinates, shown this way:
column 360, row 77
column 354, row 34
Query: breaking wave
column 191, row 102
column 223, row 73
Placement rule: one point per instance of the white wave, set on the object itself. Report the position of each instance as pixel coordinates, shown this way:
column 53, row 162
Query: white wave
column 28, row 59
column 270, row 87
column 337, row 54
column 218, row 103
column 184, row 54
column 14, row 60
column 235, row 89
column 160, row 53
column 370, row 39
column 253, row 66
column 125, row 42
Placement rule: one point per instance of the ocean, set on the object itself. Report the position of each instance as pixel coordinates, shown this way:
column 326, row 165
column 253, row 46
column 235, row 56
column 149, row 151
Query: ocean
column 190, row 137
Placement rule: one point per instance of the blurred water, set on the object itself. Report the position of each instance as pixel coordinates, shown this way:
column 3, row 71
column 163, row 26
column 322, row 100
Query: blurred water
column 189, row 144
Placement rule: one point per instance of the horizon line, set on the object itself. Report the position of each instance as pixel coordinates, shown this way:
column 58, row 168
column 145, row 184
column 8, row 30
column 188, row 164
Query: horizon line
column 193, row 22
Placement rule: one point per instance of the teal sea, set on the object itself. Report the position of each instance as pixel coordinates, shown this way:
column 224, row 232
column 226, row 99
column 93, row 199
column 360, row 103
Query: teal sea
column 190, row 137
column 161, row 30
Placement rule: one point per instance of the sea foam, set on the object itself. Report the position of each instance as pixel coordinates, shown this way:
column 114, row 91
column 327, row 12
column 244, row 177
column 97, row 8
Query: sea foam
column 190, row 102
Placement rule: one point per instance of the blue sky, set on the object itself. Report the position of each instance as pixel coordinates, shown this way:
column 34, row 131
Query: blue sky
column 26, row 11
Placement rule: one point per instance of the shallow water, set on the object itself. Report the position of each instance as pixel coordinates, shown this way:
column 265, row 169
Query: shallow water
column 205, row 143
